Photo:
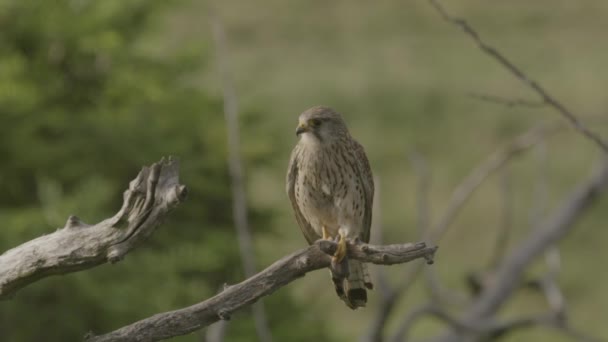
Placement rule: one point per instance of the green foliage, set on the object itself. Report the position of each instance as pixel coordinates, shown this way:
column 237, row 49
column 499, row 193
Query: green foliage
column 84, row 103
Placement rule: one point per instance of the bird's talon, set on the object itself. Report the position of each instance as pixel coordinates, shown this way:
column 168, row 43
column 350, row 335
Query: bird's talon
column 341, row 250
column 326, row 235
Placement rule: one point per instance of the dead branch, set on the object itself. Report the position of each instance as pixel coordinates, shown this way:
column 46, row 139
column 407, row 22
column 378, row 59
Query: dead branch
column 506, row 220
column 551, row 321
column 463, row 192
column 421, row 168
column 506, row 101
column 551, row 230
column 489, row 330
column 431, row 309
column 79, row 246
column 459, row 197
column 289, row 268
column 519, row 74
column 388, row 293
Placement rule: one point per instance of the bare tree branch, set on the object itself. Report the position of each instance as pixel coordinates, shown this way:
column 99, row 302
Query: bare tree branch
column 420, row 166
column 551, row 230
column 506, row 220
column 467, row 187
column 519, row 74
column 289, row 268
column 79, row 246
column 488, row 330
column 502, row 329
column 423, row 185
column 216, row 332
column 548, row 284
column 506, row 101
column 431, row 309
column 237, row 179
column 463, row 192
column 459, row 197
column 388, row 293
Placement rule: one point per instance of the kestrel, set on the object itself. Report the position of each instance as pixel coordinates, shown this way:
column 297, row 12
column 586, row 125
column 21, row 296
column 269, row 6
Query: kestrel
column 331, row 189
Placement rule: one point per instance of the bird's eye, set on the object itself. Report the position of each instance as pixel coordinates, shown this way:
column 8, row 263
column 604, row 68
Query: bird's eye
column 315, row 122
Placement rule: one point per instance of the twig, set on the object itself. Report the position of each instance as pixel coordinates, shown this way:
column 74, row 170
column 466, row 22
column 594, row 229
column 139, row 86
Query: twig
column 488, row 330
column 506, row 220
column 389, row 294
column 437, row 291
column 519, row 74
column 237, row 182
column 223, row 305
column 551, row 230
column 423, row 184
column 551, row 321
column 463, row 192
column 507, row 102
column 548, row 283
column 433, row 309
column 79, row 246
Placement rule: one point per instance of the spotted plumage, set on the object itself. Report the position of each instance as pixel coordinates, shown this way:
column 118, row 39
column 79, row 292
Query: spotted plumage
column 331, row 188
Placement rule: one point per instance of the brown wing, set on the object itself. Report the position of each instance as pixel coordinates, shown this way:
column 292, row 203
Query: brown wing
column 365, row 174
column 292, row 175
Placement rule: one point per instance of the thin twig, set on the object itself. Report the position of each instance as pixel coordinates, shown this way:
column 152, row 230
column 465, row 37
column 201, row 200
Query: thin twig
column 506, row 219
column 420, row 166
column 461, row 194
column 423, row 184
column 519, row 74
column 551, row 230
column 506, row 101
column 502, row 329
column 547, row 284
column 237, row 182
column 433, row 309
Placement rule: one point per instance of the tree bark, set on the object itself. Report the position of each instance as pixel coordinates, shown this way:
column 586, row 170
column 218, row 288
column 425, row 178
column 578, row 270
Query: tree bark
column 79, row 246
column 289, row 268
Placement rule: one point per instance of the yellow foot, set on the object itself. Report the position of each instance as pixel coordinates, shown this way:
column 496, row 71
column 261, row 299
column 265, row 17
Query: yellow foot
column 325, row 234
column 341, row 251
column 339, row 261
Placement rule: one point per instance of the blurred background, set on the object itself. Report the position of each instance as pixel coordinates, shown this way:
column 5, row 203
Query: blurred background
column 92, row 90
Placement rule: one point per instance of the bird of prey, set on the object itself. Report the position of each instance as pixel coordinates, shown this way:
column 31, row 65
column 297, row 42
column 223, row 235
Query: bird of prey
column 331, row 189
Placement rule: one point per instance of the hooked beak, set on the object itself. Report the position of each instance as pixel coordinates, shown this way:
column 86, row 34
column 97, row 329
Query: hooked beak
column 303, row 127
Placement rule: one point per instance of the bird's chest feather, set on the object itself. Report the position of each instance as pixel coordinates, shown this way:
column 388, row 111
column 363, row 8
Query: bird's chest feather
column 327, row 195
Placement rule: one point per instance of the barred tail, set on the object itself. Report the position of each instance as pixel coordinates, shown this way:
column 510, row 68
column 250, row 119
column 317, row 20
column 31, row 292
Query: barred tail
column 352, row 289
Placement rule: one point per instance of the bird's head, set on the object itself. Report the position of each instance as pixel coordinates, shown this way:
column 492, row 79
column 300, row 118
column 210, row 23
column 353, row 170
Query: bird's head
column 321, row 123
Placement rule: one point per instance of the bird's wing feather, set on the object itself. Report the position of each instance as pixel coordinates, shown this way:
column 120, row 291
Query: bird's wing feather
column 292, row 176
column 365, row 174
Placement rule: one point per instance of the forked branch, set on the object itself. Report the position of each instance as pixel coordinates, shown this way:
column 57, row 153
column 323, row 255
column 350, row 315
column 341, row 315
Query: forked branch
column 547, row 98
column 79, row 246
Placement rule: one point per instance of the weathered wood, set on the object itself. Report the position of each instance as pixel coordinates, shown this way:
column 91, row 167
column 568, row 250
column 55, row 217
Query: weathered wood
column 79, row 246
column 289, row 268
